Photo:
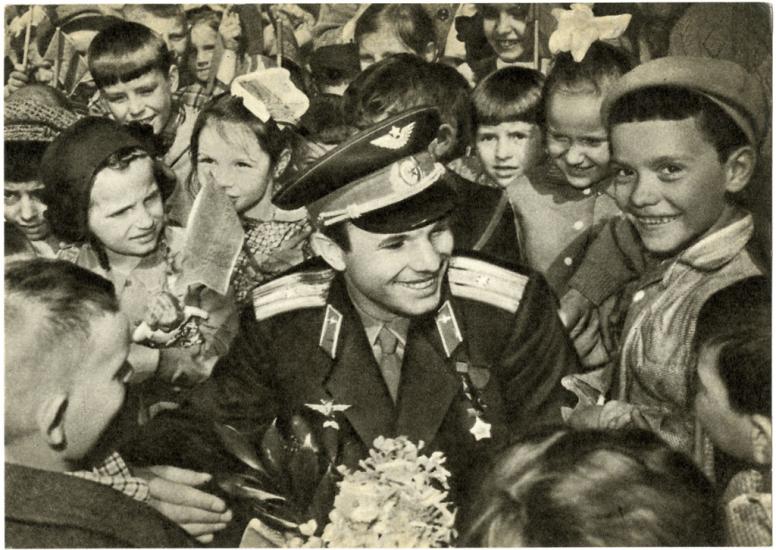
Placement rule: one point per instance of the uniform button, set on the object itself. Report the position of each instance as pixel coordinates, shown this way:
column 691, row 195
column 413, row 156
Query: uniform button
column 568, row 261
column 578, row 225
column 639, row 296
column 443, row 14
column 587, row 191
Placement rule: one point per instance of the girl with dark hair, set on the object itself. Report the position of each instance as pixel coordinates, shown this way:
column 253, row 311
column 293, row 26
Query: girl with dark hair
column 233, row 149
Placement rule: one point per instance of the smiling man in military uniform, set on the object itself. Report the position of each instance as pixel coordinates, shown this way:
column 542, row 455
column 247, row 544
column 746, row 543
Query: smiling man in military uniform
column 389, row 329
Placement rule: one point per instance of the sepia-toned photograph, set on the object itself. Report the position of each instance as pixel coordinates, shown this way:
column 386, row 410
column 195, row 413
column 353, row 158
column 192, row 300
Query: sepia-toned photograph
column 388, row 275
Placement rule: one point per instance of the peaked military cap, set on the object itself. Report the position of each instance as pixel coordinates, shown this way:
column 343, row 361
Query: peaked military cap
column 382, row 179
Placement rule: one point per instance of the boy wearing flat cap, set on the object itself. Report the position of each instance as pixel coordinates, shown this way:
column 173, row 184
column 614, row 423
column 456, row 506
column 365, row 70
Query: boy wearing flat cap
column 454, row 351
column 684, row 134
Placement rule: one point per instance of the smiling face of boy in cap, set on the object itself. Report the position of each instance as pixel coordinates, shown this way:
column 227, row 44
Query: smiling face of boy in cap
column 671, row 183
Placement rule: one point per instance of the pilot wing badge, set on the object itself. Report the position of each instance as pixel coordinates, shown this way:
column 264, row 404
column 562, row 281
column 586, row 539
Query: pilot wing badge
column 396, row 138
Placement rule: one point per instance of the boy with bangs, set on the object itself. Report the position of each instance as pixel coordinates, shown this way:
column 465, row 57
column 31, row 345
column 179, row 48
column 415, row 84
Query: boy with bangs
column 684, row 134
column 136, row 77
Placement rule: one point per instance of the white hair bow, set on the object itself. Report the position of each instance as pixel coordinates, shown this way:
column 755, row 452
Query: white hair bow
column 578, row 28
column 269, row 93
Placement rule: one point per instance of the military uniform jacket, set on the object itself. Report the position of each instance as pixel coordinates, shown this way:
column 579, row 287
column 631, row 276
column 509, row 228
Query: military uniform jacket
column 470, row 360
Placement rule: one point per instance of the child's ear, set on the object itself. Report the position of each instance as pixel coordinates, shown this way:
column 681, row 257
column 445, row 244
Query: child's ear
column 50, row 418
column 739, row 168
column 282, row 163
column 761, row 439
column 327, row 249
column 173, row 77
column 444, row 141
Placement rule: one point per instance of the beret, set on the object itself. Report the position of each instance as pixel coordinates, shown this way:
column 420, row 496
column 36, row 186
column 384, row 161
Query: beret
column 724, row 82
column 382, row 179
column 30, row 120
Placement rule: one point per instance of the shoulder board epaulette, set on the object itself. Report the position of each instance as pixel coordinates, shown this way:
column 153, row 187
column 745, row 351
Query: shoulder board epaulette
column 301, row 290
column 481, row 281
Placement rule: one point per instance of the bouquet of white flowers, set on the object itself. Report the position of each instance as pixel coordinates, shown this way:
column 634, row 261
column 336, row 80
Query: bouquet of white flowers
column 397, row 498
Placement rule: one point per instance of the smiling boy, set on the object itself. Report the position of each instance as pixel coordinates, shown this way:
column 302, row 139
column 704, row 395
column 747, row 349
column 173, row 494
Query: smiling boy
column 684, row 134
column 136, row 77
column 416, row 341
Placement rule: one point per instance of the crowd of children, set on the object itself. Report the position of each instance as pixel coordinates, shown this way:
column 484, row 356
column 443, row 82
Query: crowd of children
column 579, row 147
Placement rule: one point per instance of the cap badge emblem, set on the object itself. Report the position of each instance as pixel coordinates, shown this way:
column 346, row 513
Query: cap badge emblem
column 408, row 171
column 396, row 138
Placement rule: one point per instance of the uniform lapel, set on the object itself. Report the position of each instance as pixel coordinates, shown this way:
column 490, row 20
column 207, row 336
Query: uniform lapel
column 428, row 385
column 355, row 378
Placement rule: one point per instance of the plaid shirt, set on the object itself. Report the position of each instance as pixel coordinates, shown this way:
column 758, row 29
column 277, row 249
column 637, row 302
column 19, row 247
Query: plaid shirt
column 115, row 473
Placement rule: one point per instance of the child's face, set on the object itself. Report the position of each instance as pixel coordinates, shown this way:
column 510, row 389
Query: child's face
column 506, row 29
column 374, row 47
column 238, row 164
column 172, row 30
column 508, row 149
column 146, row 99
column 24, row 208
column 126, row 213
column 576, row 139
column 99, row 384
column 203, row 44
column 669, row 181
column 728, row 429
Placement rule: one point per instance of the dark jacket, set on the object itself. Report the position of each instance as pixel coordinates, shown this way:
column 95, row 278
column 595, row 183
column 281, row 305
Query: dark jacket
column 52, row 510
column 482, row 221
column 276, row 366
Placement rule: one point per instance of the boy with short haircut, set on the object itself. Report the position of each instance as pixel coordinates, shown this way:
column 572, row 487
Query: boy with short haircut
column 166, row 20
column 684, row 134
column 65, row 376
column 136, row 77
column 554, row 221
column 733, row 402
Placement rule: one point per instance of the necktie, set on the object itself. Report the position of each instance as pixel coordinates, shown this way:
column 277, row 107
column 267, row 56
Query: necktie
column 390, row 364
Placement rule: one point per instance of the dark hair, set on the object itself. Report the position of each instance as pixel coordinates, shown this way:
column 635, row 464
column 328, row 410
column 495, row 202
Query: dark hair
column 22, row 160
column 126, row 51
column 403, row 81
column 507, row 95
column 412, row 24
column 229, row 108
column 738, row 318
column 601, row 66
column 674, row 103
column 594, row 488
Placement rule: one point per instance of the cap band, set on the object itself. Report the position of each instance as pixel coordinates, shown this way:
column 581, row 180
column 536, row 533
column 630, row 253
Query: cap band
column 401, row 175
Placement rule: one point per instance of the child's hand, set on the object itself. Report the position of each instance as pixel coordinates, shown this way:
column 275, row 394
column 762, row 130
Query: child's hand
column 230, row 30
column 585, row 417
column 164, row 312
